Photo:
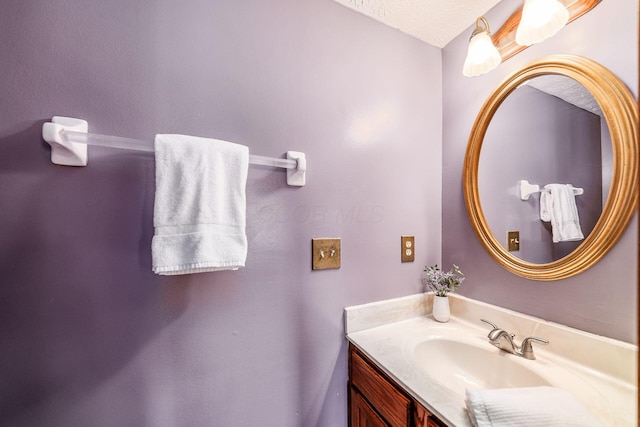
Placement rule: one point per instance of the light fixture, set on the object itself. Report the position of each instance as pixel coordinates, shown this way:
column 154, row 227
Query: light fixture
column 540, row 20
column 482, row 55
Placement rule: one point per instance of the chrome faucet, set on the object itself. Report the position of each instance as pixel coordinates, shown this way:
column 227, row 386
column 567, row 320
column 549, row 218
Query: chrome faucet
column 504, row 341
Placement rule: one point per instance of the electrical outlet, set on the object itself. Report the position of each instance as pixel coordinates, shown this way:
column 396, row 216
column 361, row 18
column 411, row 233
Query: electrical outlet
column 513, row 241
column 325, row 253
column 408, row 248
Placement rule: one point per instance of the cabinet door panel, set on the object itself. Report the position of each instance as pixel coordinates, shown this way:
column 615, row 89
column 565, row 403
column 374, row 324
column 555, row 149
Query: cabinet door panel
column 423, row 418
column 394, row 407
column 363, row 415
column 377, row 401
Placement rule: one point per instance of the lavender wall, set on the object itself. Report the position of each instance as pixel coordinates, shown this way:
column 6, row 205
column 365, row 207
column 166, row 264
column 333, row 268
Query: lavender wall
column 90, row 337
column 601, row 300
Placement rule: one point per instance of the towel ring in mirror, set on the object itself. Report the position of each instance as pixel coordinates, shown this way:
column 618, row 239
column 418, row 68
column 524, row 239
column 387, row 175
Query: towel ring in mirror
column 621, row 114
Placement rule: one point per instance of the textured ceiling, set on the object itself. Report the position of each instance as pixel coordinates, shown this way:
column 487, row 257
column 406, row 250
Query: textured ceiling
column 568, row 90
column 436, row 22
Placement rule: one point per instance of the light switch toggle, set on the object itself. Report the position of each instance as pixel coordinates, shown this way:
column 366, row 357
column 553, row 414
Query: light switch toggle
column 332, row 253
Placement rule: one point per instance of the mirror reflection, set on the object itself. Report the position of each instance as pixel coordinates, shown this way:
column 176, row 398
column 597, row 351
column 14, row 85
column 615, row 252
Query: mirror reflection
column 550, row 130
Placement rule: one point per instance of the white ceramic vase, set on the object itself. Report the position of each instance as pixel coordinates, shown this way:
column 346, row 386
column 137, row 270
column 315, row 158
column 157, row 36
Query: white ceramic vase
column 441, row 311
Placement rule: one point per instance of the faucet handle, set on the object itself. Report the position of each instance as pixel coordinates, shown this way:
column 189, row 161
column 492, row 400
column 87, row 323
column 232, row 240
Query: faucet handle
column 493, row 325
column 527, row 348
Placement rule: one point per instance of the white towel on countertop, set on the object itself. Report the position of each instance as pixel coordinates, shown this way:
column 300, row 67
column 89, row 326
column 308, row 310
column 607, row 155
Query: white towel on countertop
column 558, row 205
column 528, row 407
column 199, row 213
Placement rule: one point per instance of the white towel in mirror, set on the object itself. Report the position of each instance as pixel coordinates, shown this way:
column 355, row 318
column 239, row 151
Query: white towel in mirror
column 558, row 205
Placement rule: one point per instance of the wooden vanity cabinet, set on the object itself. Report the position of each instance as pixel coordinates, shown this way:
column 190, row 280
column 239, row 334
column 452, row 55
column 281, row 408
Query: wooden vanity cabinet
column 377, row 401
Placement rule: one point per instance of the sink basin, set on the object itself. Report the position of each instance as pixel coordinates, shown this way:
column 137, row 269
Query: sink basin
column 460, row 365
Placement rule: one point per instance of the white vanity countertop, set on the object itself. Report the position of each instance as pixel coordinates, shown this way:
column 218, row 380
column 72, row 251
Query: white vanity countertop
column 388, row 331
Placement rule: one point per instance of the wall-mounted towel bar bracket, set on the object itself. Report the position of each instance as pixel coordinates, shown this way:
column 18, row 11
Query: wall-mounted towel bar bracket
column 63, row 151
column 527, row 189
column 69, row 138
column 297, row 176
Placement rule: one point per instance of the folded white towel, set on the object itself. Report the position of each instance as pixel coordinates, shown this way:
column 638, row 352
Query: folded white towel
column 532, row 406
column 199, row 213
column 558, row 205
column 545, row 205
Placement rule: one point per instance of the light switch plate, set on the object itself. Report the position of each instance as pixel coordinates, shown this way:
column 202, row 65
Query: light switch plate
column 408, row 248
column 513, row 241
column 325, row 253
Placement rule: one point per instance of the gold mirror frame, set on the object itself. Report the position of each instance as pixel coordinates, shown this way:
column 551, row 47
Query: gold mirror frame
column 621, row 113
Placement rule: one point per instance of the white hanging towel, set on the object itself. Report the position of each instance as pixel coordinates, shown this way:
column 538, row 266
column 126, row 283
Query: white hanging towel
column 558, row 205
column 199, row 214
column 528, row 407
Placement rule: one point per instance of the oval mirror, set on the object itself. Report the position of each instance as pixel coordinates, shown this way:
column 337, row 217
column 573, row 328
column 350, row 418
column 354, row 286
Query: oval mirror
column 560, row 120
column 551, row 130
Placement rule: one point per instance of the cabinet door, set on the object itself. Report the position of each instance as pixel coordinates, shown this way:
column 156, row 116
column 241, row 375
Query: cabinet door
column 423, row 418
column 363, row 415
column 377, row 401
column 389, row 402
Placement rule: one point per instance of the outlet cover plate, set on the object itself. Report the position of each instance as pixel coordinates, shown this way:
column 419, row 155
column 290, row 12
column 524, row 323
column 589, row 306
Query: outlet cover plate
column 408, row 248
column 325, row 253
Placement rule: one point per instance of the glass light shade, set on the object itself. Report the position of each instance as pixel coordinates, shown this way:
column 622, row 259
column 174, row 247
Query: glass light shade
column 540, row 20
column 482, row 56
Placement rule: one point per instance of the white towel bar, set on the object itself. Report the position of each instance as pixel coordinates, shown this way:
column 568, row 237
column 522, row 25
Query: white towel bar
column 527, row 189
column 69, row 138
